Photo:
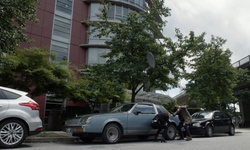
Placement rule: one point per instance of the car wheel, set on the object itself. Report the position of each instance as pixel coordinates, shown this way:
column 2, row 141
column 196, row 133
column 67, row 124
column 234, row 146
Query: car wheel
column 111, row 133
column 170, row 132
column 209, row 131
column 231, row 130
column 12, row 133
column 87, row 139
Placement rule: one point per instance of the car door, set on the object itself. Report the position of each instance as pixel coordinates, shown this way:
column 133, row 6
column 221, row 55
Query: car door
column 217, row 122
column 226, row 122
column 4, row 104
column 140, row 118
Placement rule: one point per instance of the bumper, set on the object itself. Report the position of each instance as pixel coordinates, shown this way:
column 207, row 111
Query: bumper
column 77, row 131
column 73, row 129
column 197, row 130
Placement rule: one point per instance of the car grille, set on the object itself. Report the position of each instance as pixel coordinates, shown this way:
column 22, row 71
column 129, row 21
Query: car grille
column 75, row 121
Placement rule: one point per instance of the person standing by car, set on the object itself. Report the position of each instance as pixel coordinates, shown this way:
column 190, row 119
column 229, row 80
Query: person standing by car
column 159, row 122
column 185, row 120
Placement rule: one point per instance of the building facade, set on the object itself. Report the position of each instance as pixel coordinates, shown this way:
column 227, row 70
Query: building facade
column 60, row 29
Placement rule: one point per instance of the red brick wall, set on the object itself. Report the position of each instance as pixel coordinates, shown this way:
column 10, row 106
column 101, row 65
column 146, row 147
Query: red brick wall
column 40, row 32
column 78, row 34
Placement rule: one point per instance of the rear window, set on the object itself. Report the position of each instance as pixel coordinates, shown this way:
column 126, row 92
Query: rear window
column 161, row 109
column 8, row 95
column 202, row 115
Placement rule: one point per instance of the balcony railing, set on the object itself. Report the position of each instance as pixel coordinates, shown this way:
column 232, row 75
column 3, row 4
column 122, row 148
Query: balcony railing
column 242, row 61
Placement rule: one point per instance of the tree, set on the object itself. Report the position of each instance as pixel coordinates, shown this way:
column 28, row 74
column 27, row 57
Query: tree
column 99, row 89
column 212, row 77
column 13, row 19
column 241, row 92
column 32, row 71
column 130, row 40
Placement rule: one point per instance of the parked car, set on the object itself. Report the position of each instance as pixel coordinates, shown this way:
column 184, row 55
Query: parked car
column 209, row 122
column 126, row 119
column 19, row 117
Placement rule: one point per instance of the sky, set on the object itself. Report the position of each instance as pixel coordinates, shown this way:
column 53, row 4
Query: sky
column 228, row 19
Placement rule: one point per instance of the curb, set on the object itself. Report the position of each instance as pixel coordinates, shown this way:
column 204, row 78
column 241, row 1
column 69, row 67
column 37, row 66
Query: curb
column 50, row 139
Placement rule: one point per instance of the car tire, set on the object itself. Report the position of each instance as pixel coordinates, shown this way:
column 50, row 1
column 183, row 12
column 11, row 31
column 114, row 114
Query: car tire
column 208, row 131
column 12, row 129
column 231, row 130
column 170, row 132
column 87, row 139
column 111, row 133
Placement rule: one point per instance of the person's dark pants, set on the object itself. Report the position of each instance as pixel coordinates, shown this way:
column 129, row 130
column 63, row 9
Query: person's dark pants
column 162, row 127
column 186, row 127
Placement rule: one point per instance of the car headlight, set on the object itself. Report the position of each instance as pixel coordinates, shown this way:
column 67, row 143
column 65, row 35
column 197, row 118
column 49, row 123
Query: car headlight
column 86, row 120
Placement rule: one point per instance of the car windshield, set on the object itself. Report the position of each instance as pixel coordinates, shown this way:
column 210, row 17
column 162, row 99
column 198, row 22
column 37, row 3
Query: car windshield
column 122, row 108
column 202, row 115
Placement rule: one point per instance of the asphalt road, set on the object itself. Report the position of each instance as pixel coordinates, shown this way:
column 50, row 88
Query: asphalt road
column 219, row 142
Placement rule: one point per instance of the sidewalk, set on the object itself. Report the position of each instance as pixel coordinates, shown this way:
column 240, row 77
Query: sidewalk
column 51, row 136
column 60, row 136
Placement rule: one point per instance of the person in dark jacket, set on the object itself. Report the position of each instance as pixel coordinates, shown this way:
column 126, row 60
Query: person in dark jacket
column 185, row 120
column 160, row 121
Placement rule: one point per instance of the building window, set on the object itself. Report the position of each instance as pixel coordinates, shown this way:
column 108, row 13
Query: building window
column 62, row 27
column 60, row 43
column 95, row 56
column 111, row 13
column 64, row 6
column 60, row 49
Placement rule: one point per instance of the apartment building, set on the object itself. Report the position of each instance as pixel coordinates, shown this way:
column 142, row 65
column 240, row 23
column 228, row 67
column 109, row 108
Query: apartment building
column 60, row 29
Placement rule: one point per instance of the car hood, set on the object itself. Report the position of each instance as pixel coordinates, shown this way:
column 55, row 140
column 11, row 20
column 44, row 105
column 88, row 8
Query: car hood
column 78, row 119
column 102, row 114
column 200, row 120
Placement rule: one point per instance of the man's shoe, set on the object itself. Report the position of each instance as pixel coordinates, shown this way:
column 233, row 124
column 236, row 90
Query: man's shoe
column 189, row 138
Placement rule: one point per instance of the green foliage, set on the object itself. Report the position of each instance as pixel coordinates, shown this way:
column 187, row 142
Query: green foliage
column 242, row 94
column 13, row 19
column 170, row 105
column 212, row 77
column 99, row 88
column 30, row 70
column 131, row 40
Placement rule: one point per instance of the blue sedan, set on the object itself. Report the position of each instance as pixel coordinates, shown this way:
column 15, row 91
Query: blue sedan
column 126, row 119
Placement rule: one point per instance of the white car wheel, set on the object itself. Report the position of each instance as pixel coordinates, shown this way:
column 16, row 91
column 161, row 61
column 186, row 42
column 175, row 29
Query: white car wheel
column 12, row 133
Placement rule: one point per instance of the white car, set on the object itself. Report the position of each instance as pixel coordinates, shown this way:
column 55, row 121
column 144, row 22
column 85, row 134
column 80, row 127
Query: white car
column 19, row 117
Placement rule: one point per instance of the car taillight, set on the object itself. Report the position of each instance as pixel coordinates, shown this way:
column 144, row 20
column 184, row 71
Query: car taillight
column 32, row 105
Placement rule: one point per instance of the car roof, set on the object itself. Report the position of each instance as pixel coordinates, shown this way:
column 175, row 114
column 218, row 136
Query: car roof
column 14, row 90
column 208, row 111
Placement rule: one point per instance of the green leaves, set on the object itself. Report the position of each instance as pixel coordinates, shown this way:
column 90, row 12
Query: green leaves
column 213, row 77
column 30, row 70
column 13, row 18
column 129, row 44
